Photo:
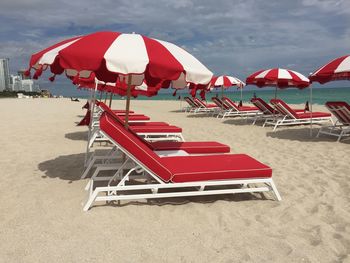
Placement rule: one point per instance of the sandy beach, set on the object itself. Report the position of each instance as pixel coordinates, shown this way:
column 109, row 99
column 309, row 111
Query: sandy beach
column 41, row 195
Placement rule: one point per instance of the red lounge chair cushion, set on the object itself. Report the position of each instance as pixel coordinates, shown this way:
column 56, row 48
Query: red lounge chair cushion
column 184, row 168
column 215, row 167
column 135, row 118
column 150, row 123
column 247, row 108
column 155, row 129
column 122, row 111
column 308, row 115
column 131, row 143
column 211, row 105
column 341, row 110
column 191, row 147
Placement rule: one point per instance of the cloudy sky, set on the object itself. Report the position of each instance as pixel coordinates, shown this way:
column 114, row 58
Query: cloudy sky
column 235, row 37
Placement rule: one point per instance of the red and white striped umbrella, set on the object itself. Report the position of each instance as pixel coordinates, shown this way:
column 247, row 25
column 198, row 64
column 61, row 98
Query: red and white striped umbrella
column 277, row 77
column 108, row 56
column 226, row 82
column 337, row 69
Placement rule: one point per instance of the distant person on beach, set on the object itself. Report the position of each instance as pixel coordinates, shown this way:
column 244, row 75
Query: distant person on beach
column 74, row 99
column 254, row 95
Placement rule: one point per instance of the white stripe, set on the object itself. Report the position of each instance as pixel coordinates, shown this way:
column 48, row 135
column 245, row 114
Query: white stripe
column 262, row 74
column 49, row 57
column 127, row 54
column 344, row 66
column 196, row 72
column 283, row 74
column 301, row 76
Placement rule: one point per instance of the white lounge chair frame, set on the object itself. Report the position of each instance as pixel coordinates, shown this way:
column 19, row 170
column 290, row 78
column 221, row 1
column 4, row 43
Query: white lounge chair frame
column 289, row 119
column 152, row 184
column 338, row 129
column 234, row 112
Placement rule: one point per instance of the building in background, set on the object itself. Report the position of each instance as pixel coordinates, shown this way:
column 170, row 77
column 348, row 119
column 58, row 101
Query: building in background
column 21, row 82
column 4, row 74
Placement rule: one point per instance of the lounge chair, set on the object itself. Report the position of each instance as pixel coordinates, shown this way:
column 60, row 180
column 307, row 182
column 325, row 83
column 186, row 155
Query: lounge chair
column 341, row 128
column 268, row 112
column 161, row 177
column 205, row 107
column 233, row 110
column 292, row 117
column 192, row 106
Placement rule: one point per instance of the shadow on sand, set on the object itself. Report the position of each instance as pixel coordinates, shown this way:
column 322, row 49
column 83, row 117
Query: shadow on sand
column 238, row 121
column 302, row 135
column 65, row 167
column 77, row 136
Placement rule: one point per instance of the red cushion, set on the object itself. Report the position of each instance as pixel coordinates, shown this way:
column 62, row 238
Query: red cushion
column 131, row 143
column 184, row 168
column 308, row 115
column 341, row 110
column 247, row 108
column 215, row 167
column 122, row 111
column 191, row 147
column 149, row 123
column 155, row 129
column 135, row 118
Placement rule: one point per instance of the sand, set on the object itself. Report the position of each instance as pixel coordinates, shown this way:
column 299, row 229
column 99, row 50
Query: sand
column 41, row 195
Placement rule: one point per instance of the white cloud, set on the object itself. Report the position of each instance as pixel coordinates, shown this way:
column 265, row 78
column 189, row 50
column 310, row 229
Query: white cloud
column 228, row 36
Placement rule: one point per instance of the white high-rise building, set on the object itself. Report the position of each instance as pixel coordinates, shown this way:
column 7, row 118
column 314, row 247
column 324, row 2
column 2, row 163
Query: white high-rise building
column 16, row 84
column 4, row 74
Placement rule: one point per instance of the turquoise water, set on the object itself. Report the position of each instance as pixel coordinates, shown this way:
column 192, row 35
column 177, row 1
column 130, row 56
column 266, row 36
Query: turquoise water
column 294, row 96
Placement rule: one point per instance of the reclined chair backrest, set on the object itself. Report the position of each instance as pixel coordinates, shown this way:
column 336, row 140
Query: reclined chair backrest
column 200, row 103
column 283, row 108
column 133, row 146
column 191, row 102
column 263, row 106
column 107, row 109
column 341, row 110
column 219, row 103
column 230, row 104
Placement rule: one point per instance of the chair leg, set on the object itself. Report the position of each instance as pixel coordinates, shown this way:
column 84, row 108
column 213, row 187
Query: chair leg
column 275, row 191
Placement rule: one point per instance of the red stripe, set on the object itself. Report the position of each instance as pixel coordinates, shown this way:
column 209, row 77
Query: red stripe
column 272, row 74
column 251, row 79
column 331, row 66
column 162, row 64
column 37, row 56
column 88, row 52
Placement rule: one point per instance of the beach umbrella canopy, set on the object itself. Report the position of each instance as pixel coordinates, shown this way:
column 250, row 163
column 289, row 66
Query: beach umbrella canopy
column 337, row 69
column 128, row 58
column 226, row 82
column 279, row 78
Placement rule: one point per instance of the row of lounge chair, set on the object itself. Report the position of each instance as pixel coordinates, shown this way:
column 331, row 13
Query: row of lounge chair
column 278, row 114
column 143, row 167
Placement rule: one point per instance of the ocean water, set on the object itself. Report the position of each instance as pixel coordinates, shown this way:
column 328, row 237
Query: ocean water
column 293, row 96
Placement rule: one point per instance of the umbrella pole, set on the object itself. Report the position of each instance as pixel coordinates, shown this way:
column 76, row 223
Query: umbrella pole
column 128, row 95
column 311, row 110
column 92, row 109
column 241, row 95
column 276, row 92
column 100, row 95
column 222, row 91
column 110, row 99
column 106, row 97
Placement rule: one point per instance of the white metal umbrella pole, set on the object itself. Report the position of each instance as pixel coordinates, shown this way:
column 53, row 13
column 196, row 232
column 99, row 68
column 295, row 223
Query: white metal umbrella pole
column 92, row 109
column 310, row 108
column 128, row 95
